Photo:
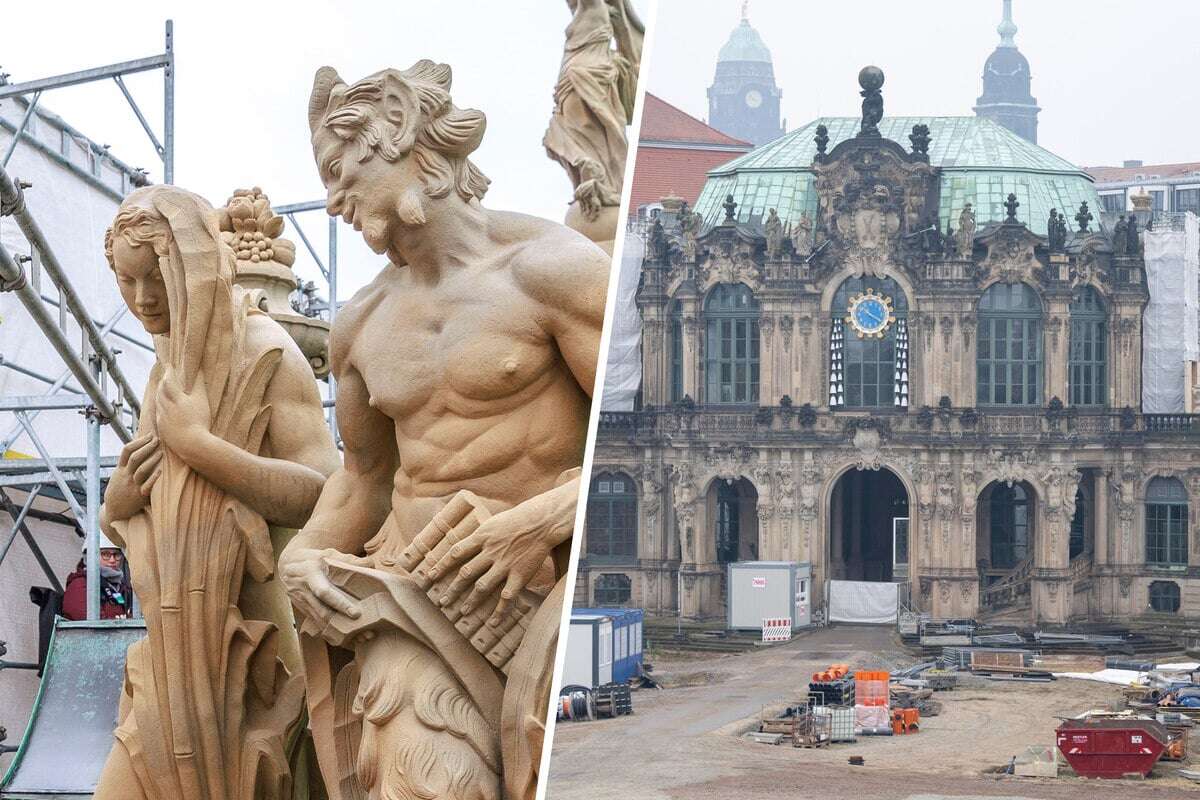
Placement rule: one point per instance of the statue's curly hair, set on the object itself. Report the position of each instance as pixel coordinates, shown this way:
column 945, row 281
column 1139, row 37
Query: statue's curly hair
column 396, row 113
column 138, row 225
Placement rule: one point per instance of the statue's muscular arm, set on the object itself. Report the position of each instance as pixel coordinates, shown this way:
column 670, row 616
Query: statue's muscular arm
column 567, row 283
column 355, row 501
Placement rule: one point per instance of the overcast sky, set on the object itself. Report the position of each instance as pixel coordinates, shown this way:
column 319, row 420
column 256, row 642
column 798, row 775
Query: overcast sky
column 244, row 72
column 1115, row 79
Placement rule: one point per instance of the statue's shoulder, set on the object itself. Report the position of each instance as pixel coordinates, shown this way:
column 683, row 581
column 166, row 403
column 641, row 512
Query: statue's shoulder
column 547, row 254
column 353, row 314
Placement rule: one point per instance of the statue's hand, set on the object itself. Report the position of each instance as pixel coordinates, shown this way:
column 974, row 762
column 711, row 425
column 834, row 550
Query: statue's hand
column 138, row 468
column 507, row 549
column 308, row 585
column 182, row 417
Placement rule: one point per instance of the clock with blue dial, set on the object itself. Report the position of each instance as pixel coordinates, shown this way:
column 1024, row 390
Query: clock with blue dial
column 870, row 314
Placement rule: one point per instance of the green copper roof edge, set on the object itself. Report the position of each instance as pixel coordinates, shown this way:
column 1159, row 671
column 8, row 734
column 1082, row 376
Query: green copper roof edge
column 718, row 172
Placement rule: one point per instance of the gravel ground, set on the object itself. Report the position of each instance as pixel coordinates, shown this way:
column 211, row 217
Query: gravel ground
column 686, row 741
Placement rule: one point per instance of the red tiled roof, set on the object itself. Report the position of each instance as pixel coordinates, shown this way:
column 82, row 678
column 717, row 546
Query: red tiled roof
column 663, row 171
column 1125, row 174
column 663, row 122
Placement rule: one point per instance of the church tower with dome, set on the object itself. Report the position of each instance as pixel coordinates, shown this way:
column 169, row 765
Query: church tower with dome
column 1007, row 98
column 743, row 100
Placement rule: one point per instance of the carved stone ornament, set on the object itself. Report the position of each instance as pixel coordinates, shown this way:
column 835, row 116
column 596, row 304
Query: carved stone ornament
column 867, row 444
column 1010, row 257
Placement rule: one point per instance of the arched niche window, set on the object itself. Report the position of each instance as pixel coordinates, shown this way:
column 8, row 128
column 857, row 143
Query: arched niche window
column 1008, row 364
column 1010, row 513
column 1088, row 359
column 731, row 345
column 676, row 322
column 612, row 589
column 728, row 528
column 1166, row 523
column 612, row 518
column 868, row 345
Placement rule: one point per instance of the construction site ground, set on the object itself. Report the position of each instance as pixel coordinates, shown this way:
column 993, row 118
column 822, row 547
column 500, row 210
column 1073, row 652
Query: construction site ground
column 686, row 740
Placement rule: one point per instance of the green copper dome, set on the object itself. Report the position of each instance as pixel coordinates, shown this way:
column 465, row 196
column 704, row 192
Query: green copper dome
column 744, row 45
column 981, row 163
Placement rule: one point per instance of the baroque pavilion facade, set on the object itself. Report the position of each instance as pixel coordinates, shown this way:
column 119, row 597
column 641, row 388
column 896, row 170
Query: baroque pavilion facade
column 897, row 349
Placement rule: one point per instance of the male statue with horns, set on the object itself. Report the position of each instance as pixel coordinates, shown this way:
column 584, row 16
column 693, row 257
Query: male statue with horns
column 431, row 576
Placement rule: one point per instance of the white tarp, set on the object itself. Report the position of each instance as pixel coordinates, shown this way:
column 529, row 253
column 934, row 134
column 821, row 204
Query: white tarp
column 624, row 375
column 871, row 602
column 73, row 214
column 1126, row 677
column 1169, row 326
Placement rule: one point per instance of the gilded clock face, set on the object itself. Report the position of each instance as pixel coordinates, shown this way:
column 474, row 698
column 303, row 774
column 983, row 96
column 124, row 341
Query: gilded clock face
column 870, row 314
column 754, row 98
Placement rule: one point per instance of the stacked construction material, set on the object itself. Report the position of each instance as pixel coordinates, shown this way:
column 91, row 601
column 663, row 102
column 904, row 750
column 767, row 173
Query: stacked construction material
column 872, row 701
column 832, row 687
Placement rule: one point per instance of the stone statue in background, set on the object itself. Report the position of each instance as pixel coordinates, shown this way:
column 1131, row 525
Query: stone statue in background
column 1120, row 236
column 593, row 103
column 431, row 577
column 966, row 231
column 231, row 455
column 802, row 236
column 264, row 268
column 689, row 231
column 773, row 229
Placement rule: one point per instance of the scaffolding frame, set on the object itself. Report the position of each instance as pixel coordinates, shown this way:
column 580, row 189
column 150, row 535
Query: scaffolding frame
column 329, row 271
column 95, row 364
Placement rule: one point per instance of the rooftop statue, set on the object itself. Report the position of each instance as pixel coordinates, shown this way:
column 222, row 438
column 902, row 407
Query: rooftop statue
column 593, row 103
column 431, row 577
column 232, row 453
column 871, row 81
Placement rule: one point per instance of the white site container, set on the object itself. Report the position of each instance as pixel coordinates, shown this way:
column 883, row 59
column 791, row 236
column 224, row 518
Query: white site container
column 759, row 590
column 589, row 657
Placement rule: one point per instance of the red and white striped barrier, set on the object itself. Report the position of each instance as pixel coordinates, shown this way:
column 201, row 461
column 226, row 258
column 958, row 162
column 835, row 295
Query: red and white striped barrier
column 776, row 629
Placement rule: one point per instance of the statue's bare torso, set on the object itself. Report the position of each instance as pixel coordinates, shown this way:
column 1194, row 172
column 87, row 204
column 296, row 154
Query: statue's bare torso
column 466, row 371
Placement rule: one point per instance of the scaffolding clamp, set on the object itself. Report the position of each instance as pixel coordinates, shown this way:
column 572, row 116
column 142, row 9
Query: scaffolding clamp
column 16, row 203
column 18, row 282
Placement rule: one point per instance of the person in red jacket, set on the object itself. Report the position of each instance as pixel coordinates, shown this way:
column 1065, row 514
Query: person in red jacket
column 116, row 595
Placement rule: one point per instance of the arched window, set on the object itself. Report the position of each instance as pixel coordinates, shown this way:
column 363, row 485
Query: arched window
column 612, row 518
column 1166, row 523
column 1008, row 363
column 612, row 589
column 731, row 346
column 1010, row 517
column 1088, row 360
column 868, row 345
column 676, row 351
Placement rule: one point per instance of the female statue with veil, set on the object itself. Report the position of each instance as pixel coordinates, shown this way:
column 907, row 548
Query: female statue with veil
column 232, row 451
column 593, row 102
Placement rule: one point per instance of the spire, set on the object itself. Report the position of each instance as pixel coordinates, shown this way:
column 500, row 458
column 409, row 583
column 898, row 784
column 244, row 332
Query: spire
column 745, row 10
column 1007, row 28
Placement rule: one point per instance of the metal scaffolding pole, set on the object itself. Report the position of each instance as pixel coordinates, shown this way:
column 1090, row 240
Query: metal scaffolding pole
column 169, row 106
column 12, row 198
column 14, row 277
column 29, row 112
column 92, row 528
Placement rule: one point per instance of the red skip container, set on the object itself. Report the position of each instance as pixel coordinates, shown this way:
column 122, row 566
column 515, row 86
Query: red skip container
column 1111, row 748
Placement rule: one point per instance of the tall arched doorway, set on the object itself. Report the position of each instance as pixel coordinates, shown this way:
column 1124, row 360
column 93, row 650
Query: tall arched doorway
column 868, row 527
column 732, row 507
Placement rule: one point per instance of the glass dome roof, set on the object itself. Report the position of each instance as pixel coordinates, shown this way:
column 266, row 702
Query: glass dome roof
column 981, row 161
